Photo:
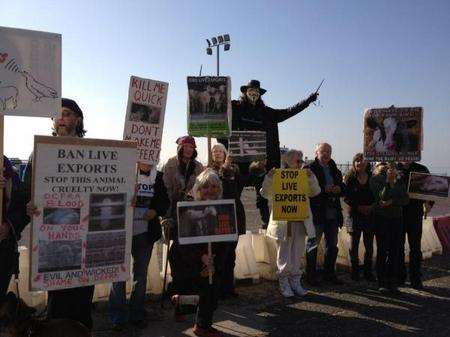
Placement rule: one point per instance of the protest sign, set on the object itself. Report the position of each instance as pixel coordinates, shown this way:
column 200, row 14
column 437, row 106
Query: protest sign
column 30, row 73
column 290, row 195
column 206, row 221
column 427, row 186
column 82, row 189
column 209, row 106
column 247, row 146
column 144, row 119
column 393, row 134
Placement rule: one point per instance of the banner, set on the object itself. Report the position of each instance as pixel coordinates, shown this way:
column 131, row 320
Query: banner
column 144, row 120
column 427, row 186
column 30, row 73
column 82, row 189
column 206, row 221
column 393, row 134
column 247, row 146
column 290, row 195
column 209, row 106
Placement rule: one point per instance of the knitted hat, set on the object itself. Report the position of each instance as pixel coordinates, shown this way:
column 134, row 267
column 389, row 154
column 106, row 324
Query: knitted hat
column 186, row 140
column 72, row 105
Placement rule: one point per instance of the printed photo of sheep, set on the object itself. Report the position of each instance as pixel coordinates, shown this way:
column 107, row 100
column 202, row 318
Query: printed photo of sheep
column 428, row 187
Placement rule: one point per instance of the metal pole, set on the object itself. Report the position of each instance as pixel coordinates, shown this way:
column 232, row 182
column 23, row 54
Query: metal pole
column 218, row 60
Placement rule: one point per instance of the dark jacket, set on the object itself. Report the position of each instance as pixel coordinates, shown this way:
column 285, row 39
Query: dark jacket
column 414, row 209
column 160, row 203
column 259, row 117
column 358, row 195
column 382, row 190
column 320, row 203
column 232, row 184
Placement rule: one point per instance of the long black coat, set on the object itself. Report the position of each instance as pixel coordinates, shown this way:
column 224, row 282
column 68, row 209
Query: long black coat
column 259, row 117
column 319, row 203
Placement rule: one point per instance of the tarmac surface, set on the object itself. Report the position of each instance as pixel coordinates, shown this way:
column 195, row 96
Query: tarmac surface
column 353, row 309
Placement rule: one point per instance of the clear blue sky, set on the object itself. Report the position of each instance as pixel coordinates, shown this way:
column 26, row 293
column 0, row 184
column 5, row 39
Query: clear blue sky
column 372, row 54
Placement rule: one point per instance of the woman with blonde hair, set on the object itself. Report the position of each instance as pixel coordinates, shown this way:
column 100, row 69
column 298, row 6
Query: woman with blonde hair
column 290, row 235
column 193, row 263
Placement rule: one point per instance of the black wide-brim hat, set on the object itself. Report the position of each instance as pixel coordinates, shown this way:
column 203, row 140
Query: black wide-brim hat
column 253, row 84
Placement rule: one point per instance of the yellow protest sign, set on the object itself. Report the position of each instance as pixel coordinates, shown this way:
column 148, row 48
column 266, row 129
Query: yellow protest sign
column 290, row 195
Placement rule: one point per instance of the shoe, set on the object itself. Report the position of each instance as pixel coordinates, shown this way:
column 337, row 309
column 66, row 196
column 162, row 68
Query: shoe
column 311, row 244
column 394, row 290
column 285, row 287
column 118, row 327
column 140, row 324
column 206, row 332
column 417, row 284
column 382, row 289
column 175, row 299
column 333, row 279
column 369, row 276
column 296, row 286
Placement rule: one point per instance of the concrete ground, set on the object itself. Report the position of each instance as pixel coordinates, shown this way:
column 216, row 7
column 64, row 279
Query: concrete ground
column 354, row 309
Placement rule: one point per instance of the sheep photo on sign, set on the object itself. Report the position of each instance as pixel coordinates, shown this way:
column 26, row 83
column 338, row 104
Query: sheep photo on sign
column 393, row 134
column 427, row 186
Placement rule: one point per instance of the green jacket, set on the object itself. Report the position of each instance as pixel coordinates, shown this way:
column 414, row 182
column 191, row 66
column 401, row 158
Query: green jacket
column 382, row 190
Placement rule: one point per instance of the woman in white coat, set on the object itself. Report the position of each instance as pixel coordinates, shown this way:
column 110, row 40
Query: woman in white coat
column 290, row 235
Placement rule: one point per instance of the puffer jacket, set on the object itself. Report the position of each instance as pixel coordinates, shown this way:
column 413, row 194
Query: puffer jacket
column 278, row 229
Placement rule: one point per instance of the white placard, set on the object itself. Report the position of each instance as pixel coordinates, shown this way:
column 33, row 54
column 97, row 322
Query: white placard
column 82, row 189
column 30, row 73
column 144, row 119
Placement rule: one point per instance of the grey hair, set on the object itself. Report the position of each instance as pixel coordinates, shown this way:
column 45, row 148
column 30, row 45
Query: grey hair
column 221, row 147
column 208, row 176
column 289, row 154
column 318, row 145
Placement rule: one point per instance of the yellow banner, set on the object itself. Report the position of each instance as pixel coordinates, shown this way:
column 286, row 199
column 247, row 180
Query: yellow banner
column 290, row 195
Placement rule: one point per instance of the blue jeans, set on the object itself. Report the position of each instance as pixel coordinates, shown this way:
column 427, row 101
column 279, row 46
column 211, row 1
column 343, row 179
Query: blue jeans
column 141, row 250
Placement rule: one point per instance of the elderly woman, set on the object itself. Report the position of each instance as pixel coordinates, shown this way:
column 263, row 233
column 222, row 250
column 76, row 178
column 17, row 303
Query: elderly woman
column 232, row 189
column 194, row 263
column 390, row 195
column 359, row 197
column 290, row 235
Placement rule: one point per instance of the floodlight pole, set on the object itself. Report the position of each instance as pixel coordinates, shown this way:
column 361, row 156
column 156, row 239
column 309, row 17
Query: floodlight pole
column 218, row 60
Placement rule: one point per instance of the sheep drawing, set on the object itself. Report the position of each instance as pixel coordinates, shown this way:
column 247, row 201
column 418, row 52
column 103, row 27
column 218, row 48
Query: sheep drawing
column 8, row 97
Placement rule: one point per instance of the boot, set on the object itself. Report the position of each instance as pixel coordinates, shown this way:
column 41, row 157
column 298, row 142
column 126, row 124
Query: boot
column 296, row 286
column 285, row 287
column 368, row 275
column 355, row 272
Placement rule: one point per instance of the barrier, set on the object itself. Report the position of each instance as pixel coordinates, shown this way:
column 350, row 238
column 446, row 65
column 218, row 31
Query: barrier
column 442, row 227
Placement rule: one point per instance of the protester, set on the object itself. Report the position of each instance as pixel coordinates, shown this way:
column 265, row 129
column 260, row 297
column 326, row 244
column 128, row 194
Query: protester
column 413, row 214
column 290, row 235
column 249, row 113
column 13, row 222
column 179, row 177
column 73, row 303
column 359, row 197
column 232, row 185
column 327, row 213
column 193, row 263
column 151, row 203
column 257, row 172
column 390, row 195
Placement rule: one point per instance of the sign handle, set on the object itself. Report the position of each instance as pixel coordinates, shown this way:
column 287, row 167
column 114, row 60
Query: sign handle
column 210, row 275
column 2, row 120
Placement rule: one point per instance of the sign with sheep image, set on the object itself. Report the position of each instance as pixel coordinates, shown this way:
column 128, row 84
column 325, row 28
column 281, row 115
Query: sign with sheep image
column 30, row 73
column 209, row 106
column 393, row 134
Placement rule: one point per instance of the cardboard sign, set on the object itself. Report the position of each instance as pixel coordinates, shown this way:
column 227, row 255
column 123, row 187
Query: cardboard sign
column 209, row 106
column 206, row 221
column 247, row 146
column 30, row 73
column 82, row 189
column 427, row 186
column 144, row 119
column 290, row 195
column 393, row 134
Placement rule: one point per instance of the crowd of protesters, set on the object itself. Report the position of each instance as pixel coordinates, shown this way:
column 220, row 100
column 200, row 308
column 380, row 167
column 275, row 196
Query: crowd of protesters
column 377, row 199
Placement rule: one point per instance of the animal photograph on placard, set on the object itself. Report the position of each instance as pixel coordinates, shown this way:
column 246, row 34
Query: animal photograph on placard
column 61, row 216
column 107, row 212
column 144, row 113
column 428, row 184
column 59, row 255
column 105, row 249
column 207, row 98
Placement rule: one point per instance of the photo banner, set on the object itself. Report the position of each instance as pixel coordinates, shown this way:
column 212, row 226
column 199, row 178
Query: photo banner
column 206, row 221
column 290, row 195
column 425, row 186
column 30, row 73
column 209, row 106
column 144, row 119
column 393, row 134
column 247, row 146
column 83, row 189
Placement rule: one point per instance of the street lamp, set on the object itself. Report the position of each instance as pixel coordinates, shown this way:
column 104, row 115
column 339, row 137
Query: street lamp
column 218, row 41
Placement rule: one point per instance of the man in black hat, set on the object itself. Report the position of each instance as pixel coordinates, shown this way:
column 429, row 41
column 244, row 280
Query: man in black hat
column 251, row 114
column 74, row 303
